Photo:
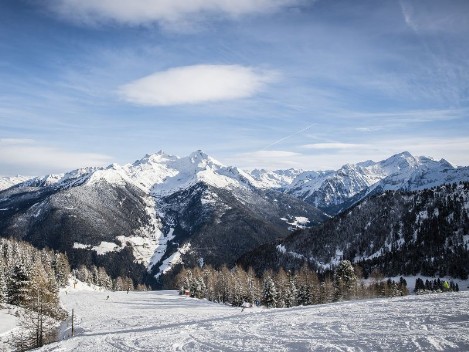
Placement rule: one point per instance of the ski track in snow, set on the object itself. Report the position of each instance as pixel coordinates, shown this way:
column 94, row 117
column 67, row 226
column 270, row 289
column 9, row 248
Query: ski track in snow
column 165, row 321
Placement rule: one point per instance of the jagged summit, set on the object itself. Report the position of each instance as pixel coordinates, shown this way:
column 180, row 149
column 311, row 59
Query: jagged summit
column 157, row 157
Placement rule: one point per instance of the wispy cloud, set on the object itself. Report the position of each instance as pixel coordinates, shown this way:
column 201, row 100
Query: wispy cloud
column 29, row 157
column 331, row 156
column 269, row 159
column 335, row 146
column 165, row 12
column 196, row 84
column 289, row 136
column 435, row 16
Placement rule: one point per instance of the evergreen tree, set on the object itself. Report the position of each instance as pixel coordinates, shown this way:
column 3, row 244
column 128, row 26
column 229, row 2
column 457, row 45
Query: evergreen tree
column 3, row 282
column 344, row 280
column 18, row 286
column 269, row 292
column 62, row 269
column 291, row 293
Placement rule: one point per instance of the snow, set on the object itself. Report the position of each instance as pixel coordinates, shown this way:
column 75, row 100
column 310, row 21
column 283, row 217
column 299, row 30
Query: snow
column 297, row 222
column 144, row 248
column 465, row 239
column 7, row 322
column 7, row 182
column 105, row 247
column 281, row 248
column 164, row 321
column 78, row 245
column 175, row 258
column 273, row 179
column 400, row 171
column 160, row 250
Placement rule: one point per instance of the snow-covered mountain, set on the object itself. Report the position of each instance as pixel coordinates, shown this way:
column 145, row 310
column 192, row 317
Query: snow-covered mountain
column 163, row 210
column 152, row 214
column 334, row 191
column 400, row 233
column 7, row 182
column 277, row 179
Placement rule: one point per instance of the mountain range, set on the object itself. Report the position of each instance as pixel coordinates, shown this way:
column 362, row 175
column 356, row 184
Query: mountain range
column 147, row 218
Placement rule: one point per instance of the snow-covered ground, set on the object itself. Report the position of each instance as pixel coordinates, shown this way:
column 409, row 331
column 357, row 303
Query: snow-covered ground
column 8, row 322
column 164, row 321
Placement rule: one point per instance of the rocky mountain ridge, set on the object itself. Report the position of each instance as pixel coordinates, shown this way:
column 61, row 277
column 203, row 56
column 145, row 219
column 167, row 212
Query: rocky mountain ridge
column 151, row 215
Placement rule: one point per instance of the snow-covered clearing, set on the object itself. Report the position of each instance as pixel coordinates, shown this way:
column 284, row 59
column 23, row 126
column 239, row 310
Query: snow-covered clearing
column 164, row 321
column 7, row 321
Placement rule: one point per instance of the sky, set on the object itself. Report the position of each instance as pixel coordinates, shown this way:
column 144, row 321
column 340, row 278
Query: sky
column 253, row 83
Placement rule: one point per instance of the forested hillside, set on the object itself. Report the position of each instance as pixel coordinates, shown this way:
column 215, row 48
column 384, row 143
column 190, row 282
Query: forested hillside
column 30, row 280
column 400, row 233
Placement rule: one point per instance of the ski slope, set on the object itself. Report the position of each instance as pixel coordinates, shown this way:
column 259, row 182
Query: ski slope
column 164, row 321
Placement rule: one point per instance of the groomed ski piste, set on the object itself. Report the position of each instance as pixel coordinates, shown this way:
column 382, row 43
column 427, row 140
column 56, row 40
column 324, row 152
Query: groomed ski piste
column 165, row 321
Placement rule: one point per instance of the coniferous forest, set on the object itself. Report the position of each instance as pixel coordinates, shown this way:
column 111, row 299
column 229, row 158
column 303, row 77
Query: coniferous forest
column 30, row 280
column 284, row 289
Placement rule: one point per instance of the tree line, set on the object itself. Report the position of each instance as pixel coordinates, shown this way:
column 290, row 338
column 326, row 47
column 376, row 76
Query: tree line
column 436, row 285
column 284, row 288
column 31, row 278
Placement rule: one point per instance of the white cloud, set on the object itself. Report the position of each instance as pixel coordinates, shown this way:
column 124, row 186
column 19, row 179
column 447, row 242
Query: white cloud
column 196, row 84
column 165, row 12
column 25, row 156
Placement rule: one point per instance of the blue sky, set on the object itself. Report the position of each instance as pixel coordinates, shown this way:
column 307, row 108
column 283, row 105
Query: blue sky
column 253, row 83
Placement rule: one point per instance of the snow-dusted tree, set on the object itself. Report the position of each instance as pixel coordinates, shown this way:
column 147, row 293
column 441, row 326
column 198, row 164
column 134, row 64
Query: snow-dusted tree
column 238, row 288
column 184, row 280
column 62, row 269
column 253, row 287
column 307, row 284
column 269, row 292
column 94, row 275
column 18, row 285
column 222, row 284
column 209, row 275
column 103, row 279
column 83, row 274
column 291, row 294
column 119, row 284
column 40, row 319
column 326, row 292
column 344, row 280
column 282, row 285
column 3, row 282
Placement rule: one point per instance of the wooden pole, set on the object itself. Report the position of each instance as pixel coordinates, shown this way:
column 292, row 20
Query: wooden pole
column 73, row 330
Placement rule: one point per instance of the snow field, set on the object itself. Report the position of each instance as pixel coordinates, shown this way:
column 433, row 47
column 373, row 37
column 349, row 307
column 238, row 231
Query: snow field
column 165, row 321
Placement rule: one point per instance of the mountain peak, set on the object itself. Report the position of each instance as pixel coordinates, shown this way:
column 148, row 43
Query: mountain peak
column 405, row 154
column 198, row 154
column 153, row 158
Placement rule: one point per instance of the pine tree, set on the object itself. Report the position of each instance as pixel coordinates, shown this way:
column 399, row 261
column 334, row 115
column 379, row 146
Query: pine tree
column 62, row 269
column 344, row 280
column 18, row 286
column 40, row 318
column 269, row 293
column 3, row 282
column 253, row 287
column 291, row 293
